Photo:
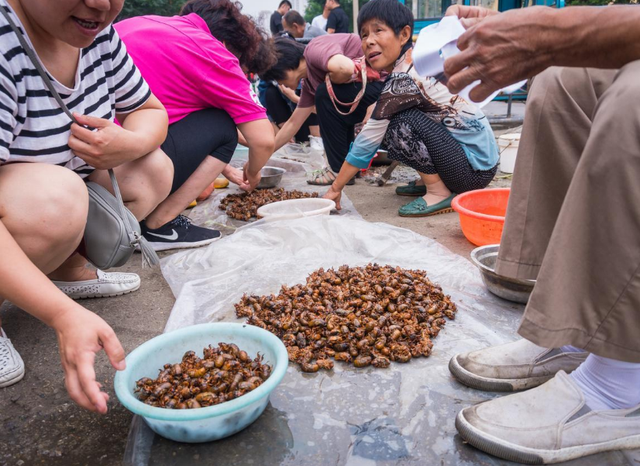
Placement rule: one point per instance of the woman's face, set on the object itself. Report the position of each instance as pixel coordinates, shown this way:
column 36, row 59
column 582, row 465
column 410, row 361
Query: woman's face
column 75, row 22
column 380, row 44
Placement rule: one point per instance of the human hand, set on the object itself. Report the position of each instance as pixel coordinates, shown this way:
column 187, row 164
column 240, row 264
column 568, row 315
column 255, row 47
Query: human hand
column 236, row 176
column 289, row 93
column 500, row 50
column 469, row 15
column 107, row 146
column 81, row 334
column 250, row 179
column 335, row 195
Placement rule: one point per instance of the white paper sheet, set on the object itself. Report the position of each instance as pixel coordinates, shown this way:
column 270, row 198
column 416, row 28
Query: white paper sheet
column 438, row 42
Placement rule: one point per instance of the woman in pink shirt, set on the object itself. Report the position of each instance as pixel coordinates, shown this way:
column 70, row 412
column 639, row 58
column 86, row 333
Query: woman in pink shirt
column 194, row 65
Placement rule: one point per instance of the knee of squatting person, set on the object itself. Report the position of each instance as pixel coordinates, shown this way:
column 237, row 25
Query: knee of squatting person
column 447, row 140
column 42, row 237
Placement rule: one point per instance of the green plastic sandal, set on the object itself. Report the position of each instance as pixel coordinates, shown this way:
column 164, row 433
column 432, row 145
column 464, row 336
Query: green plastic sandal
column 419, row 208
column 411, row 190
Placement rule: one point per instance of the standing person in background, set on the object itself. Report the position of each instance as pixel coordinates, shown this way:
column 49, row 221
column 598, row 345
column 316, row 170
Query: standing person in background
column 275, row 24
column 298, row 28
column 320, row 21
column 338, row 21
column 193, row 63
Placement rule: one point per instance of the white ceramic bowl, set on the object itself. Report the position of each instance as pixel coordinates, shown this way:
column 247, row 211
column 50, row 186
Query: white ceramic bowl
column 213, row 422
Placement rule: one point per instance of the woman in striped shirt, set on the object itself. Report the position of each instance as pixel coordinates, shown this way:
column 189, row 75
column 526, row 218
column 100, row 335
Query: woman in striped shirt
column 44, row 159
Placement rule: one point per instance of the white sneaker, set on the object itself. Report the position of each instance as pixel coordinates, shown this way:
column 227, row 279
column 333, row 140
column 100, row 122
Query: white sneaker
column 11, row 365
column 513, row 366
column 547, row 424
column 107, row 284
column 316, row 143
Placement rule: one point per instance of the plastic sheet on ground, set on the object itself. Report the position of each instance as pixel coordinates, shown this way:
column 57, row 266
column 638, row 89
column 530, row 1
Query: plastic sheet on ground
column 293, row 157
column 400, row 415
column 208, row 213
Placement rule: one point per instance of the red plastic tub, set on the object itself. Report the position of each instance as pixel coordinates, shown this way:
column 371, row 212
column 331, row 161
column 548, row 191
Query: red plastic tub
column 482, row 214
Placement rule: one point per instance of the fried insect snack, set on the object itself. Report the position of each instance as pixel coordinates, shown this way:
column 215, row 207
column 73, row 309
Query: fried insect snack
column 244, row 206
column 368, row 315
column 224, row 373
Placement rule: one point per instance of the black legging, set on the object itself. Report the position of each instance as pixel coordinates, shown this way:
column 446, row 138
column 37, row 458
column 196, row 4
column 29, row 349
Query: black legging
column 198, row 135
column 423, row 144
column 279, row 109
column 337, row 130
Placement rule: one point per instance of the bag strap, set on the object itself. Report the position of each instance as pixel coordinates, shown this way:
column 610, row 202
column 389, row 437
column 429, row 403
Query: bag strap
column 34, row 59
column 352, row 105
column 149, row 257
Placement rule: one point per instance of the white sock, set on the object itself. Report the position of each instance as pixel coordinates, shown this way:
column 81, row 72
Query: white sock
column 571, row 349
column 607, row 383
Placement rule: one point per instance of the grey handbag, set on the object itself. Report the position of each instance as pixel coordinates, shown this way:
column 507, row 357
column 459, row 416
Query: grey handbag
column 112, row 232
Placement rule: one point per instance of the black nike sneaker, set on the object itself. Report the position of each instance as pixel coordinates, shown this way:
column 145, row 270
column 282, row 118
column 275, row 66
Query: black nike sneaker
column 179, row 233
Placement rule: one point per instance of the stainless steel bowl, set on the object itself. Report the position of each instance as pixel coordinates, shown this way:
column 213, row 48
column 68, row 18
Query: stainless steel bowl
column 271, row 177
column 485, row 258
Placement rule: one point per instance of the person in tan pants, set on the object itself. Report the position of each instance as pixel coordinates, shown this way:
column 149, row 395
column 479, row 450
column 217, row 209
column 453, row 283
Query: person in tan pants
column 573, row 224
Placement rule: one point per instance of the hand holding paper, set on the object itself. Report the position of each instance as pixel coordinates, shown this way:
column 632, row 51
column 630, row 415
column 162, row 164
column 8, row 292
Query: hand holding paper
column 438, row 42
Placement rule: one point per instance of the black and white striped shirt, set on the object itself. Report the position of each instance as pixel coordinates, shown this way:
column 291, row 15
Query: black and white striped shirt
column 33, row 127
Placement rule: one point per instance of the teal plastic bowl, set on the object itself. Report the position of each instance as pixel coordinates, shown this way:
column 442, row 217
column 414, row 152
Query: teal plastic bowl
column 213, row 422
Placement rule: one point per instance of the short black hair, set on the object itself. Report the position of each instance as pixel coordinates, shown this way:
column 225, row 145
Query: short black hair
column 293, row 17
column 391, row 12
column 289, row 53
column 285, row 2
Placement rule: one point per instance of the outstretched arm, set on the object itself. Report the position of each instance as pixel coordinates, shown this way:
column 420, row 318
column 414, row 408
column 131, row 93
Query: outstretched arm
column 260, row 139
column 81, row 333
column 292, row 125
column 502, row 49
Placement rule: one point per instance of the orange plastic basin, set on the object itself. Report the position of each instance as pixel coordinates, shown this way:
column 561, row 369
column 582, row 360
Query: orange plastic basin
column 482, row 214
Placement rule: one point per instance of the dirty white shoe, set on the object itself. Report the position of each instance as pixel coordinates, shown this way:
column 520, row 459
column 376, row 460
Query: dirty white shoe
column 513, row 366
column 107, row 284
column 11, row 365
column 548, row 424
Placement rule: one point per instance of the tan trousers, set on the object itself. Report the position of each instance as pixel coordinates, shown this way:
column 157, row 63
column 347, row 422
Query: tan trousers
column 573, row 221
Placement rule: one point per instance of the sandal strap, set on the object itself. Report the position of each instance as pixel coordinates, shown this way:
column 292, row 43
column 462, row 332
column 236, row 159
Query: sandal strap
column 323, row 174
